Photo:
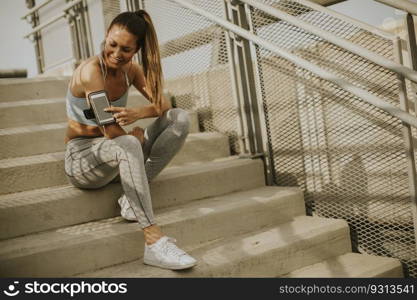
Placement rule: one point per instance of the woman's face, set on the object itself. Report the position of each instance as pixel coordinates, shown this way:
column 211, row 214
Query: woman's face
column 120, row 47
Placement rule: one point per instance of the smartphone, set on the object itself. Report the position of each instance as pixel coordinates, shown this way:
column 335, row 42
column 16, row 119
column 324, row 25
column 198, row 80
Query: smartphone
column 98, row 102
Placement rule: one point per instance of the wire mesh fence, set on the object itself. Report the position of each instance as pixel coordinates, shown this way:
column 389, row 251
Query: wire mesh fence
column 348, row 156
column 195, row 64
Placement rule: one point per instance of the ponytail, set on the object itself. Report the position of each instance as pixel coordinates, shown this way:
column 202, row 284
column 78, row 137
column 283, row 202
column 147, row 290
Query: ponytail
column 151, row 61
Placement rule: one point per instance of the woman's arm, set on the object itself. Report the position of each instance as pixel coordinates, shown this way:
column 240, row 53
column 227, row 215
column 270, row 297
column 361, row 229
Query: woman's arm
column 92, row 80
column 147, row 111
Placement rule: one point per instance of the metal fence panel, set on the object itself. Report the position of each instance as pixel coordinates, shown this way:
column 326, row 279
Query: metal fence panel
column 347, row 155
column 195, row 64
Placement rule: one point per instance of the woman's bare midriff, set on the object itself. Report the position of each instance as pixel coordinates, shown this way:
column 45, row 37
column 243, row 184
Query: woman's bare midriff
column 76, row 129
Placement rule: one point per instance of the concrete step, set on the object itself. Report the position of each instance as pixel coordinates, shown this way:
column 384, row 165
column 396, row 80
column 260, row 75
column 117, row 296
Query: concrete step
column 33, row 88
column 45, row 170
column 352, row 265
column 41, row 139
column 49, row 208
column 31, row 112
column 23, row 89
column 269, row 252
column 86, row 247
column 53, row 110
column 32, row 140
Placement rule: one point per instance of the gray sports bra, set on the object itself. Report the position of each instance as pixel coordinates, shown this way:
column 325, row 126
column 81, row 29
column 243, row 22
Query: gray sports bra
column 76, row 106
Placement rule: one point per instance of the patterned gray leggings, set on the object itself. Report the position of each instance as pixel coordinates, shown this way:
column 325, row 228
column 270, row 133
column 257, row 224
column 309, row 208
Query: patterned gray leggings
column 91, row 163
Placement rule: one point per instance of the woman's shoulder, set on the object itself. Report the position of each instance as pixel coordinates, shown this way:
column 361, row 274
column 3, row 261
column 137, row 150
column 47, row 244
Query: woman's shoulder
column 90, row 66
column 88, row 71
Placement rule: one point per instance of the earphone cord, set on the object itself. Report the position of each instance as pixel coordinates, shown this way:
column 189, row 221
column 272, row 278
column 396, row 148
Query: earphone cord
column 103, row 67
column 104, row 71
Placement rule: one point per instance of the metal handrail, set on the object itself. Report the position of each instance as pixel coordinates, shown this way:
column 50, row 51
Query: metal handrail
column 205, row 35
column 36, row 8
column 347, row 19
column 53, row 20
column 356, row 49
column 363, row 94
column 405, row 5
column 60, row 62
column 42, row 26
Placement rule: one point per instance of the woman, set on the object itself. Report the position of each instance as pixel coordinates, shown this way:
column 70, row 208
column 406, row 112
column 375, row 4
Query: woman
column 95, row 155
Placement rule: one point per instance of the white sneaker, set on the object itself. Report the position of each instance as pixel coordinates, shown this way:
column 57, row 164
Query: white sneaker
column 126, row 210
column 165, row 254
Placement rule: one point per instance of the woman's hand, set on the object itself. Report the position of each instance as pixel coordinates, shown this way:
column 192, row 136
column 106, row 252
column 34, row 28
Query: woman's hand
column 124, row 116
column 139, row 133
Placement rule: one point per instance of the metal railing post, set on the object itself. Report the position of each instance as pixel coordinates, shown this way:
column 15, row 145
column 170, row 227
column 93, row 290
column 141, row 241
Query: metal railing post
column 37, row 40
column 247, row 88
column 412, row 52
column 87, row 28
column 230, row 41
column 81, row 38
column 133, row 5
column 72, row 23
column 262, row 134
column 240, row 82
column 408, row 138
column 411, row 34
column 40, row 54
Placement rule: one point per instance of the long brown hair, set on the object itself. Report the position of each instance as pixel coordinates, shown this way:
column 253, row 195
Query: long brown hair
column 139, row 23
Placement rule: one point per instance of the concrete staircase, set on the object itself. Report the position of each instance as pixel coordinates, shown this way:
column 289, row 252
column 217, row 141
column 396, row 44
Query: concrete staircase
column 216, row 205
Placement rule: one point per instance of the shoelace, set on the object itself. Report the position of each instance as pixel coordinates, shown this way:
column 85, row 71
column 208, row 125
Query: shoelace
column 169, row 247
